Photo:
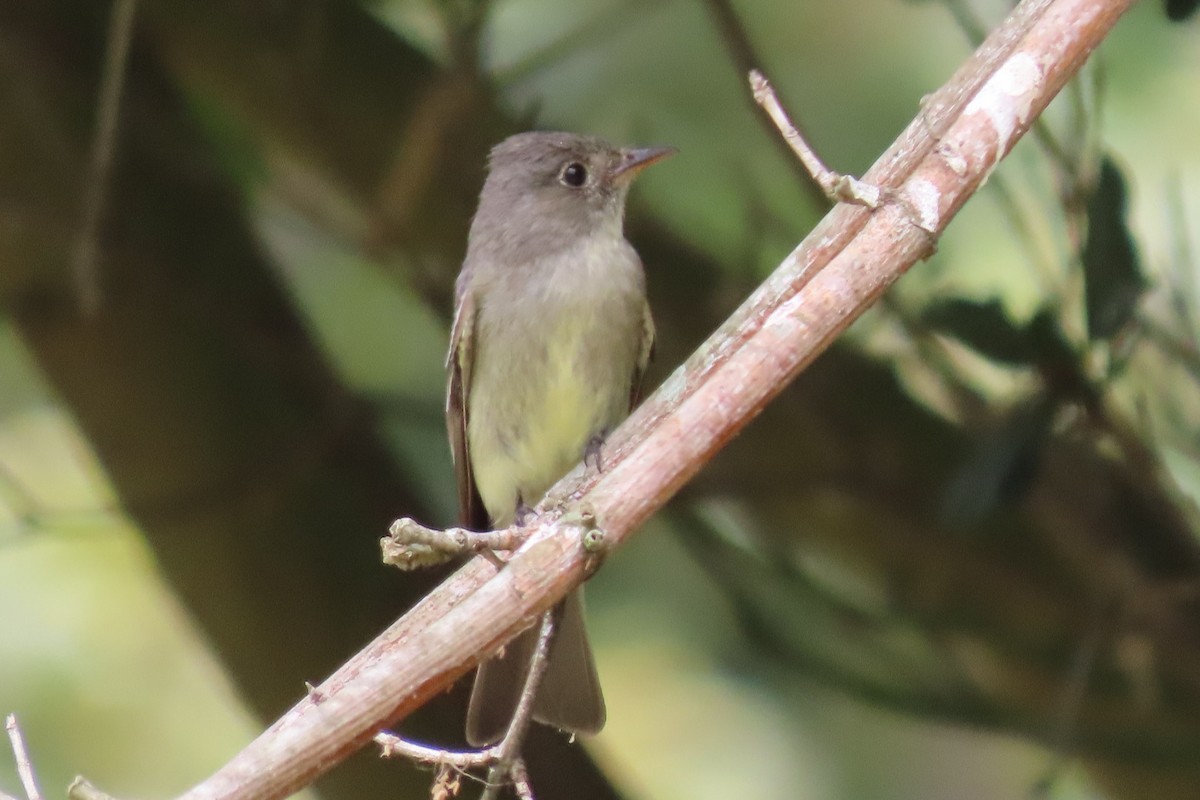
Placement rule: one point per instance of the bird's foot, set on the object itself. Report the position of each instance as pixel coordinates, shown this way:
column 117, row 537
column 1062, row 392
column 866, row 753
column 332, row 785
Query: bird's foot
column 522, row 514
column 592, row 452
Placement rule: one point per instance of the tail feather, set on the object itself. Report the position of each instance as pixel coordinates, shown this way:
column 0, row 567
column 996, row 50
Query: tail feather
column 569, row 697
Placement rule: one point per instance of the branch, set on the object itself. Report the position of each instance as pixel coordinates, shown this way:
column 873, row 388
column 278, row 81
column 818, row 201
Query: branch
column 852, row 256
column 116, row 56
column 745, row 60
column 21, row 755
column 411, row 545
column 503, row 759
column 836, row 186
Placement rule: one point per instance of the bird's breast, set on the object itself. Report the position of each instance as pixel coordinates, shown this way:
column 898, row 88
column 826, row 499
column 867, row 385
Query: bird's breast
column 555, row 357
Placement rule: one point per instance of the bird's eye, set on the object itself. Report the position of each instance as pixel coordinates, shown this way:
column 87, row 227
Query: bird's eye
column 574, row 175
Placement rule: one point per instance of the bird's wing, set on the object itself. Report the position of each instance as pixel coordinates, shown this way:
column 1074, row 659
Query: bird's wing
column 459, row 360
column 645, row 354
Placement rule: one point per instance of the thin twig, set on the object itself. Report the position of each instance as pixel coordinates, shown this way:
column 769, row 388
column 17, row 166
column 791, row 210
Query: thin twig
column 21, row 755
column 116, row 56
column 411, row 545
column 520, row 781
column 505, row 766
column 837, row 187
column 510, row 746
column 745, row 59
column 392, row 746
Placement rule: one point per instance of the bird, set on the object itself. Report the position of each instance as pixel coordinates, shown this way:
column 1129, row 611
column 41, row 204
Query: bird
column 551, row 336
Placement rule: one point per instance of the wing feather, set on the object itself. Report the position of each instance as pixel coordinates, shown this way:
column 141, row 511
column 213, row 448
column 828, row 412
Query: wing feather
column 459, row 359
column 645, row 356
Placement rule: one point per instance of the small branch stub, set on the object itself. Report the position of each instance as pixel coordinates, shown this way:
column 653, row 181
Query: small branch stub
column 81, row 789
column 411, row 545
column 594, row 541
column 837, row 187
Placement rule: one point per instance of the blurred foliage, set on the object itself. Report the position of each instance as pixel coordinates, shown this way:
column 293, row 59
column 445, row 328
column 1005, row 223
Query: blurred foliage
column 1112, row 275
column 1179, row 10
column 957, row 558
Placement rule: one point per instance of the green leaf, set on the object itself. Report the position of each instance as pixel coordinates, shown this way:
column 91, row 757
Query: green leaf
column 982, row 326
column 1113, row 277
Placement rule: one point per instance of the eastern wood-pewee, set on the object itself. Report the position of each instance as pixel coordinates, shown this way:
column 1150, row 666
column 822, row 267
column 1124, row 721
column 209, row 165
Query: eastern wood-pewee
column 551, row 336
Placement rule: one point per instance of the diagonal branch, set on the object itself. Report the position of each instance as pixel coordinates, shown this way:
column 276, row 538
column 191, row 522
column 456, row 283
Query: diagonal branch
column 819, row 289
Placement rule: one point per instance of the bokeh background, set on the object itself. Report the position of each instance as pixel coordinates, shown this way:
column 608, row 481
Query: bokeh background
column 958, row 558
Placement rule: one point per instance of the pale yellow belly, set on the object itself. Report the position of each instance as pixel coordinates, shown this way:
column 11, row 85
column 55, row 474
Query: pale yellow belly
column 528, row 426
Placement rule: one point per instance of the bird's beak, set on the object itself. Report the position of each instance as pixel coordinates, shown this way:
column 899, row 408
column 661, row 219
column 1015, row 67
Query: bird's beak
column 637, row 159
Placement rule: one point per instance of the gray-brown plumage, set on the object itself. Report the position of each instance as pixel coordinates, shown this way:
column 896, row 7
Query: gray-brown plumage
column 551, row 335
